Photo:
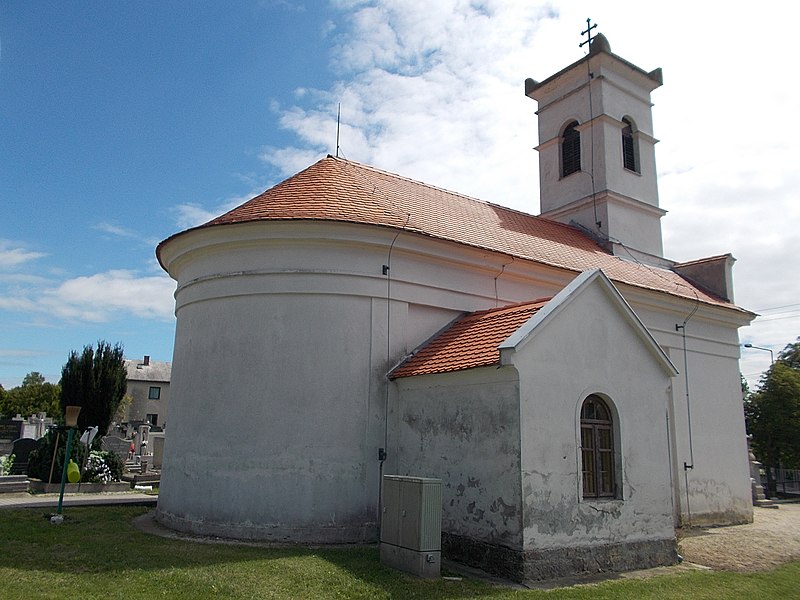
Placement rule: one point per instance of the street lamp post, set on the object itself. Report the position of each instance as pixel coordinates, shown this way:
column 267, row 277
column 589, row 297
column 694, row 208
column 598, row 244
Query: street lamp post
column 771, row 353
column 71, row 420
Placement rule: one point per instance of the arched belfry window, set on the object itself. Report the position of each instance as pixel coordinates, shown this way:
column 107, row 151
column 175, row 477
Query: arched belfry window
column 597, row 448
column 630, row 150
column 570, row 149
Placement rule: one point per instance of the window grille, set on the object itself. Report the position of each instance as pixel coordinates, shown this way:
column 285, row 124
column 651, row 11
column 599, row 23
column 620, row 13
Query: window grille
column 597, row 449
column 629, row 147
column 570, row 150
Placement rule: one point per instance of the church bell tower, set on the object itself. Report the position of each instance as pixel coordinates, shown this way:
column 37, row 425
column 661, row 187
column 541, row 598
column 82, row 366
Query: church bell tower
column 597, row 166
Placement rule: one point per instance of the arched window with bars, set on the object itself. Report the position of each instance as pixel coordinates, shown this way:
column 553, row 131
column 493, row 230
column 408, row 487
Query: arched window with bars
column 597, row 449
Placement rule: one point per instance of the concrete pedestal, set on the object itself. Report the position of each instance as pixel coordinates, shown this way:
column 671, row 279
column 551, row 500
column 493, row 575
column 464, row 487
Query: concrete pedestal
column 420, row 563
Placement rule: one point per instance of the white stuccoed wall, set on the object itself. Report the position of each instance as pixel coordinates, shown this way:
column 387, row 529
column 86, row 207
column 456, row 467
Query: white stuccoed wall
column 278, row 384
column 464, row 428
column 591, row 349
column 718, row 484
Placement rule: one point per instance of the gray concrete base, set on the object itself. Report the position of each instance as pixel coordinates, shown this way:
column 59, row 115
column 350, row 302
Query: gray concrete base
column 426, row 564
column 535, row 565
column 719, row 519
column 40, row 487
column 354, row 533
column 13, row 483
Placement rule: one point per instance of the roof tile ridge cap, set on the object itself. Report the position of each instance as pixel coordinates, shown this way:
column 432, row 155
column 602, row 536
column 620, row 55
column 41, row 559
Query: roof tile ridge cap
column 702, row 260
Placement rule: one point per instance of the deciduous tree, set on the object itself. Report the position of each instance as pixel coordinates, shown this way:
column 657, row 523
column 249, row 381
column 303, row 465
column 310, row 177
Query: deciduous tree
column 773, row 413
column 791, row 355
column 35, row 395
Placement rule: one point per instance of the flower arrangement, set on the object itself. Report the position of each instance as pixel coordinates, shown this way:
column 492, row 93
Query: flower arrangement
column 6, row 462
column 100, row 468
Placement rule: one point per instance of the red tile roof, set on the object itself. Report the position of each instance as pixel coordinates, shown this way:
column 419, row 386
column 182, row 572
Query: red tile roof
column 470, row 341
column 336, row 189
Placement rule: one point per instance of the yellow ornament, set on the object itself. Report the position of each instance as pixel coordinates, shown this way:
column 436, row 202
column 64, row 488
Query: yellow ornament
column 73, row 473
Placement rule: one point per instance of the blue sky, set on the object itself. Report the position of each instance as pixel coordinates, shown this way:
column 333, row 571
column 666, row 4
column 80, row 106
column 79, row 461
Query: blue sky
column 123, row 123
column 112, row 116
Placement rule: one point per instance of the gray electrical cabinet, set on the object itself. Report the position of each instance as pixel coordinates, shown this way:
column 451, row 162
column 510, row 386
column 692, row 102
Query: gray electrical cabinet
column 411, row 524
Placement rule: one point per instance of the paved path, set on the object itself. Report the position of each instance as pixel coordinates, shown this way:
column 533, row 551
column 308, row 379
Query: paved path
column 25, row 500
column 773, row 538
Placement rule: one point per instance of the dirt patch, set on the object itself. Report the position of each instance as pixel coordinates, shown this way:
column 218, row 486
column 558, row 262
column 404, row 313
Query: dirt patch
column 773, row 538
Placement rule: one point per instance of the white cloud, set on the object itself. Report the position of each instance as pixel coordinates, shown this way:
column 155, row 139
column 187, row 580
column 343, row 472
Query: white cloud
column 191, row 214
column 283, row 4
column 18, row 352
column 4, row 352
column 288, row 160
column 328, row 27
column 125, row 233
column 14, row 255
column 14, row 279
column 114, row 230
column 431, row 91
column 97, row 298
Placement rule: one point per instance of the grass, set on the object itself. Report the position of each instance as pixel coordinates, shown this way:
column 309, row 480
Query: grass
column 97, row 553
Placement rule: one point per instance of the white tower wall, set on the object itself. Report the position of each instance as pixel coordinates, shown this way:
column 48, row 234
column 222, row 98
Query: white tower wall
column 618, row 205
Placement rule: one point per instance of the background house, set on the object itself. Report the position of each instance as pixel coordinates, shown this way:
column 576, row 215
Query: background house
column 148, row 387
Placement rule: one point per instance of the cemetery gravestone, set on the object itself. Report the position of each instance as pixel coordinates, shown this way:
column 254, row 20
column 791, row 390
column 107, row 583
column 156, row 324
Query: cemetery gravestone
column 9, row 431
column 116, row 445
column 21, row 449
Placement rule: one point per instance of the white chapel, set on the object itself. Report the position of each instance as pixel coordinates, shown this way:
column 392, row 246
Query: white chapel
column 577, row 392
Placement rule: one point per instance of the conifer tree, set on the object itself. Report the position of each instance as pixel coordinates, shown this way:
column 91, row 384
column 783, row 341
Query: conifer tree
column 95, row 380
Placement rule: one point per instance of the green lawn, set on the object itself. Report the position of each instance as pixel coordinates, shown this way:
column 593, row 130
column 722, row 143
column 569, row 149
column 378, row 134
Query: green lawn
column 97, row 554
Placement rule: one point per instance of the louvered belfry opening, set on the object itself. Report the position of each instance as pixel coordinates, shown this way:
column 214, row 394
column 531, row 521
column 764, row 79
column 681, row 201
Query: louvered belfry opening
column 570, row 150
column 628, row 146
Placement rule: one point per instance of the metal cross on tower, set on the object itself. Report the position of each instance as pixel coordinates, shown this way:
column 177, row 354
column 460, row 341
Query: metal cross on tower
column 587, row 33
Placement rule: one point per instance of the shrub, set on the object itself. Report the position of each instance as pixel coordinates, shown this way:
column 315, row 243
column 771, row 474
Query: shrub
column 101, row 466
column 41, row 457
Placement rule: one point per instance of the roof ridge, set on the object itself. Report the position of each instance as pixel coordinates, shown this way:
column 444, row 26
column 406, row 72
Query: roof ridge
column 338, row 189
column 430, row 186
column 418, row 182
